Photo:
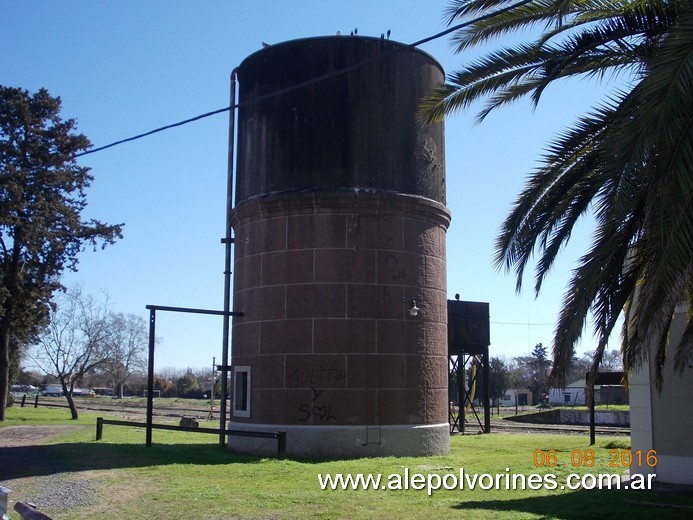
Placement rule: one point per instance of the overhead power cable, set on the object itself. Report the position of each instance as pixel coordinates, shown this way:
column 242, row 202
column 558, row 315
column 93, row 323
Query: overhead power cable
column 310, row 81
column 286, row 89
column 155, row 131
column 524, row 324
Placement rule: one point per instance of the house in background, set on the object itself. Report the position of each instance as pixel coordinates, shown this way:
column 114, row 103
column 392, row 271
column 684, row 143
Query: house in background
column 574, row 394
column 518, row 396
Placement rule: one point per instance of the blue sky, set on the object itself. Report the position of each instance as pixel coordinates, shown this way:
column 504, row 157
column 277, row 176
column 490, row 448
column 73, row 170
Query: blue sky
column 126, row 67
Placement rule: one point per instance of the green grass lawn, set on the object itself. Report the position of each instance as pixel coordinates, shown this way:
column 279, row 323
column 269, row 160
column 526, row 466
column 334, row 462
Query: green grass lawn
column 187, row 475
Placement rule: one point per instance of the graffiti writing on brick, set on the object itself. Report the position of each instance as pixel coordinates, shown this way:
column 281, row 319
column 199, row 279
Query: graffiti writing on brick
column 318, row 411
column 312, row 377
column 396, row 272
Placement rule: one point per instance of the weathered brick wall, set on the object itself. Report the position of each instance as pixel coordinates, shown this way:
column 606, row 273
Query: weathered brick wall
column 325, row 280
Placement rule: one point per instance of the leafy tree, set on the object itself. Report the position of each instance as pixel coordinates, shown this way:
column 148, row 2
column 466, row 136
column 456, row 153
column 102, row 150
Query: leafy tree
column 539, row 353
column 498, row 378
column 628, row 161
column 165, row 386
column 42, row 195
column 15, row 356
column 540, row 366
column 520, row 372
column 31, row 377
column 187, row 385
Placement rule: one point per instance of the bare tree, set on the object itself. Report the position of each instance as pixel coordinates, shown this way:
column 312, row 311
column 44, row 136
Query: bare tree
column 578, row 368
column 74, row 341
column 612, row 361
column 127, row 342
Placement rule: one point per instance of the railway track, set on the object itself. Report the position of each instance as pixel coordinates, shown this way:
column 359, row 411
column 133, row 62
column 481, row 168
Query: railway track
column 568, row 429
column 135, row 411
column 127, row 410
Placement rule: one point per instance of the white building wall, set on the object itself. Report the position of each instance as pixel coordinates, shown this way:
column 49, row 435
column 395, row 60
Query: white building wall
column 513, row 396
column 663, row 421
column 568, row 396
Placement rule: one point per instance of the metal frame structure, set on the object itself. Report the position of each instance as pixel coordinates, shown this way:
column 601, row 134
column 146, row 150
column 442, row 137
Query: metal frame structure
column 600, row 378
column 280, row 436
column 468, row 341
column 459, row 366
column 150, row 365
column 227, row 314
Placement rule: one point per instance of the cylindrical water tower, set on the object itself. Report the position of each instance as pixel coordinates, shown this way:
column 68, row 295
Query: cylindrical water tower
column 339, row 267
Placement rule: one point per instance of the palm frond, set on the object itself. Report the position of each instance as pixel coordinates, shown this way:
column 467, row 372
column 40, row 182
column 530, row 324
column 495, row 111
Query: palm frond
column 628, row 161
column 527, row 15
column 548, row 192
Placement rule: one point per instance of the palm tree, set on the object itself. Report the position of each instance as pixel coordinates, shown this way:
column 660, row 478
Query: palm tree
column 629, row 161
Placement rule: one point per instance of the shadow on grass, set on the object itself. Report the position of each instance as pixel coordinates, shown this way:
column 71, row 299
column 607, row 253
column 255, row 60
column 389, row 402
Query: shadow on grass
column 32, row 461
column 583, row 504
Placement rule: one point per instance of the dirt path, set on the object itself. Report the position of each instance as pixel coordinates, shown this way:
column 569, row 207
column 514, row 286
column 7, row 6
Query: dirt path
column 13, row 436
column 34, row 474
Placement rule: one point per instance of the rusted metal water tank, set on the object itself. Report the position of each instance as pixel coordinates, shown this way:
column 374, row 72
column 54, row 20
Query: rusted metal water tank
column 339, row 227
